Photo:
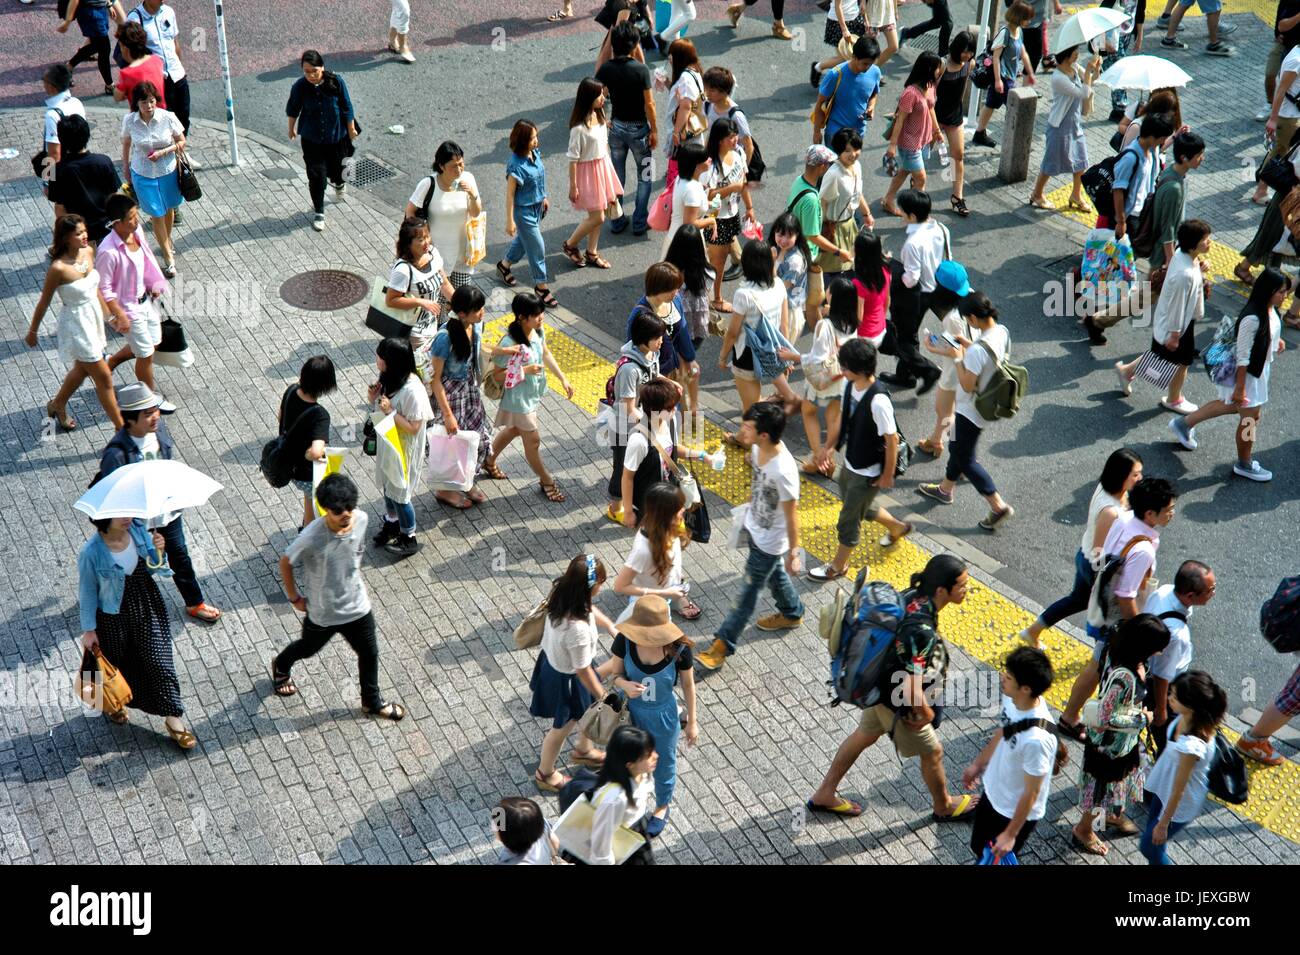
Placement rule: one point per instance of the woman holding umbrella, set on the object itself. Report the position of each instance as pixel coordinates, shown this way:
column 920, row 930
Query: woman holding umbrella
column 123, row 614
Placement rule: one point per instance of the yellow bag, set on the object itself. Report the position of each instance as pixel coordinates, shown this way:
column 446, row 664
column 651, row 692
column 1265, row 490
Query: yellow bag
column 320, row 470
column 475, row 239
column 100, row 685
column 824, row 114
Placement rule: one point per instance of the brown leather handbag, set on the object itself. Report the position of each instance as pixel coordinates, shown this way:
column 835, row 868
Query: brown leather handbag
column 100, row 685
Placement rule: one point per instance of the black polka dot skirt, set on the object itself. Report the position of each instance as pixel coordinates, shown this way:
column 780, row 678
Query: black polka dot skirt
column 138, row 641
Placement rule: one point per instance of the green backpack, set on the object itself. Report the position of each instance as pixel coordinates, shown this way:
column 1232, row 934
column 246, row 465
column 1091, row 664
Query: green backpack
column 1006, row 388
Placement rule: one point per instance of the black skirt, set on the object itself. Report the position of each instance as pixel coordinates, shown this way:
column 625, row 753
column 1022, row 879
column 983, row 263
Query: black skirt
column 138, row 641
column 1184, row 354
column 1109, row 769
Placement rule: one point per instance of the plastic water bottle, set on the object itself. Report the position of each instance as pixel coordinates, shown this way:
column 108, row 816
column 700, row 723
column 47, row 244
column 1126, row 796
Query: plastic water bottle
column 718, row 459
column 397, row 129
column 943, row 153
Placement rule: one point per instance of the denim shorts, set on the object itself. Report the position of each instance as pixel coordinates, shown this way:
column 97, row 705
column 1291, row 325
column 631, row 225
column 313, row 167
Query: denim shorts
column 911, row 160
column 1207, row 6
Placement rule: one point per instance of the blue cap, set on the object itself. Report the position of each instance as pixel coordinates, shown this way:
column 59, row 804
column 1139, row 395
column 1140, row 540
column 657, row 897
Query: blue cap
column 952, row 276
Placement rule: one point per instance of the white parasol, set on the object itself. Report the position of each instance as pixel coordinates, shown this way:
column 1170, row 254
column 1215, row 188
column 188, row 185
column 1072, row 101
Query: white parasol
column 147, row 489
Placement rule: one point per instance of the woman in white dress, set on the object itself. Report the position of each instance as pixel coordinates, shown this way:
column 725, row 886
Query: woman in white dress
column 1258, row 339
column 81, row 320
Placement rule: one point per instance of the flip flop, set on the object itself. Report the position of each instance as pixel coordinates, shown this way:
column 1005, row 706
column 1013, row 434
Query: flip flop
column 1075, row 731
column 1125, row 826
column 559, row 15
column 1094, row 847
column 963, row 812
column 546, row 787
column 282, row 683
column 690, row 611
column 204, row 612
column 845, row 807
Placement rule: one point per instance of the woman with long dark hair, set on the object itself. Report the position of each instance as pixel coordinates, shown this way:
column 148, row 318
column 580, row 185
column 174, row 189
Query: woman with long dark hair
column 320, row 112
column 655, row 564
column 80, row 333
column 517, row 411
column 686, row 251
column 593, row 183
column 564, row 681
column 1112, row 759
column 624, row 790
column 1258, row 339
column 418, row 285
column 914, row 128
column 949, row 95
column 727, row 188
column 690, row 199
column 400, row 392
column 871, row 278
column 454, row 381
column 787, row 238
column 1109, row 503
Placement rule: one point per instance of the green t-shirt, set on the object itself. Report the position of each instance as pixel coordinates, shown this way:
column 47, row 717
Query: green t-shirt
column 1167, row 214
column 807, row 209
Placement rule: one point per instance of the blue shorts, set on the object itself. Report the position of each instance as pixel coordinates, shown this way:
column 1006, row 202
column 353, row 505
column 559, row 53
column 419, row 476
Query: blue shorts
column 911, row 160
column 1207, row 6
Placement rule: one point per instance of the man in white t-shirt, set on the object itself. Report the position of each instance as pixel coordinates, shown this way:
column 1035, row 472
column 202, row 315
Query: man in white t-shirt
column 1153, row 501
column 772, row 525
column 1018, row 763
column 1193, row 587
column 59, row 102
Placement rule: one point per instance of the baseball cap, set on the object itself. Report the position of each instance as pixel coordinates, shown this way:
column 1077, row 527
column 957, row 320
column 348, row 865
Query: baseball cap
column 952, row 276
column 818, row 155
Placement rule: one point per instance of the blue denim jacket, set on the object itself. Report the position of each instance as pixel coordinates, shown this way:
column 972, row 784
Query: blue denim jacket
column 530, row 178
column 101, row 582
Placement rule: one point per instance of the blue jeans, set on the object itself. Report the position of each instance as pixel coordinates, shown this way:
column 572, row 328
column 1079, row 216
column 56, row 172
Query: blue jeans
column 760, row 568
column 403, row 514
column 1156, row 855
column 961, row 457
column 528, row 240
column 634, row 137
column 1077, row 599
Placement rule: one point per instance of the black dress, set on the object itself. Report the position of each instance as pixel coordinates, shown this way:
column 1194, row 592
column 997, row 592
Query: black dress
column 138, row 641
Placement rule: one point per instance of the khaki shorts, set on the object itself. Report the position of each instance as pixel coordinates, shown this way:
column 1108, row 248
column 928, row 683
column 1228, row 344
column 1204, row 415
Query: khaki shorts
column 1273, row 65
column 877, row 720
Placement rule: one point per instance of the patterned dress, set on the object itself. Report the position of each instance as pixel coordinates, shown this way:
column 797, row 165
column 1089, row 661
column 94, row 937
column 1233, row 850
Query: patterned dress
column 1113, row 772
column 138, row 641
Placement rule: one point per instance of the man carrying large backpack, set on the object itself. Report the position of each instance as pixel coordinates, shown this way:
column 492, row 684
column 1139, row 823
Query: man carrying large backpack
column 912, row 685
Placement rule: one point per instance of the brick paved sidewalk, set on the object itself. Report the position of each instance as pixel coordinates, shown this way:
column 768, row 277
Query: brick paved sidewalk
column 309, row 779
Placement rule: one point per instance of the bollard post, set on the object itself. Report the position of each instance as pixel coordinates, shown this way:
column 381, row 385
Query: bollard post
column 1018, row 134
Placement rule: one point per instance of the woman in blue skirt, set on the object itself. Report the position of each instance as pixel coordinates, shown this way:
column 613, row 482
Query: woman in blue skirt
column 564, row 681
column 650, row 654
column 1067, row 153
column 151, row 139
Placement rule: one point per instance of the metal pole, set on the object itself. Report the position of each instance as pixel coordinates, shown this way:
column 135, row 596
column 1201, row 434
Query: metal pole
column 225, row 78
column 987, row 16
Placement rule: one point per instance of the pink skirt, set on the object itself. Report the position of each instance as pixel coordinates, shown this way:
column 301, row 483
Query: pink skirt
column 598, row 184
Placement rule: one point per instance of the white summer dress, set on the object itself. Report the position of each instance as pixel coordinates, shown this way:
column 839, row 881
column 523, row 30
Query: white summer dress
column 81, row 322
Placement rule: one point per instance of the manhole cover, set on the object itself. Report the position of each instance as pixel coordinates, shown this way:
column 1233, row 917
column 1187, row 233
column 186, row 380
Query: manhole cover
column 367, row 171
column 324, row 290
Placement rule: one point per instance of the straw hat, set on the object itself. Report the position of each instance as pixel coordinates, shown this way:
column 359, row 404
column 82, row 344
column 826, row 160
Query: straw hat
column 650, row 624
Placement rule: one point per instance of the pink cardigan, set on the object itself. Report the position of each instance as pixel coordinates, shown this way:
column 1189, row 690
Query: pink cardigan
column 117, row 277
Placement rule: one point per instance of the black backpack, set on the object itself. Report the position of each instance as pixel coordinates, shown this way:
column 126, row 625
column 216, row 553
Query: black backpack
column 277, row 466
column 757, row 166
column 1099, row 182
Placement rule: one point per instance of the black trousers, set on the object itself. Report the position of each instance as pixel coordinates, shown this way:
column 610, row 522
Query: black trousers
column 360, row 635
column 96, row 46
column 177, row 96
column 1034, row 45
column 778, row 8
column 178, row 559
column 989, row 824
column 906, row 309
column 323, row 160
column 941, row 19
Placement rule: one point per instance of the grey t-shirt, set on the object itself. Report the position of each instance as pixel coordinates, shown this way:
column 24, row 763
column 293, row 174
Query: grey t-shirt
column 327, row 568
column 635, row 373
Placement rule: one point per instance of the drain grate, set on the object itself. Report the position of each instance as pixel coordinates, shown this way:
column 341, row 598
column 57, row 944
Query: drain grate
column 324, row 290
column 367, row 171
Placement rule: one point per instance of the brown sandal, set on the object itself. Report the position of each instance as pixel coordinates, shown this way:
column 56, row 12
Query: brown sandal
column 61, row 416
column 493, row 470
column 552, row 492
column 1242, row 272
column 573, row 254
column 592, row 258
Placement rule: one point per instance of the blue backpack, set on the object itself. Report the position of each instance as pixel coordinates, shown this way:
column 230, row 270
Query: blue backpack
column 860, row 652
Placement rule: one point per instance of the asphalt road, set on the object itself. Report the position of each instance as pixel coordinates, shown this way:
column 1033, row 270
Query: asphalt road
column 470, row 84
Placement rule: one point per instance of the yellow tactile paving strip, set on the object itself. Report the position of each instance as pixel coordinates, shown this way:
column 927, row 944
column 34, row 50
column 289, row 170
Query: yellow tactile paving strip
column 983, row 625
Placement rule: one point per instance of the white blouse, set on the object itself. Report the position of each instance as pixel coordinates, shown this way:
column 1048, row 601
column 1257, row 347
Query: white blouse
column 588, row 142
column 158, row 133
column 612, row 810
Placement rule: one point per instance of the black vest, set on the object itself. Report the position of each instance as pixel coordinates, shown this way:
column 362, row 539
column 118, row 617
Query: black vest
column 865, row 445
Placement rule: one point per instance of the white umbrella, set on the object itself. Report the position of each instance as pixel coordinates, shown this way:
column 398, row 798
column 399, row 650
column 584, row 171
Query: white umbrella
column 1086, row 25
column 1143, row 72
column 147, row 489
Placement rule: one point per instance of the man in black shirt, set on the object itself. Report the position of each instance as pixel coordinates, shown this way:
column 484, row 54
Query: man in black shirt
column 82, row 181
column 627, row 85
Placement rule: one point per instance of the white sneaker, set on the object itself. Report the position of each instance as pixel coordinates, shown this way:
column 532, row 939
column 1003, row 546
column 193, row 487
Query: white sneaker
column 1227, row 29
column 1183, row 407
column 1125, row 382
column 1252, row 473
column 1186, row 436
column 193, row 160
column 318, row 223
column 1263, row 112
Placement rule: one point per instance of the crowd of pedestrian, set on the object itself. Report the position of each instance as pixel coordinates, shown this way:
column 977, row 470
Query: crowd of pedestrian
column 818, row 274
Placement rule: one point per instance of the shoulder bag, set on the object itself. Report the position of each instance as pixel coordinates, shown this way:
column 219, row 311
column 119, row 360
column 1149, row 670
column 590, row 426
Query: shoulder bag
column 186, row 181
column 819, row 117
column 529, row 632
column 381, row 317
column 604, row 716
column 493, row 386
column 173, row 350
column 100, row 685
